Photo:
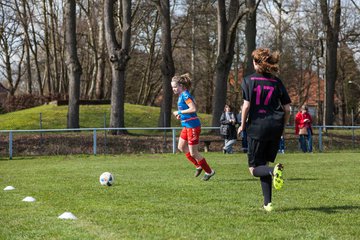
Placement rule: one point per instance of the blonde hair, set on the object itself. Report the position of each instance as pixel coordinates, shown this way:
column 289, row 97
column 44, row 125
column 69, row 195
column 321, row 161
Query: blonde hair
column 183, row 80
column 266, row 61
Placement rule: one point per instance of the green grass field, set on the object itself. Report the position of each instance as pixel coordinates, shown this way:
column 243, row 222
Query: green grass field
column 157, row 197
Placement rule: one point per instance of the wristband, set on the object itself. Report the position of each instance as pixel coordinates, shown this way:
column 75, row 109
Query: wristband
column 179, row 112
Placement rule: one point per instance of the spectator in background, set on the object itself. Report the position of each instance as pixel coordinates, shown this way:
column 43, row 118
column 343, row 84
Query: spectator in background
column 243, row 134
column 303, row 128
column 282, row 145
column 228, row 118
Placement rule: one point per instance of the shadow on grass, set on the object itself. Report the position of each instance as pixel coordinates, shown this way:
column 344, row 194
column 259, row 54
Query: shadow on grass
column 17, row 158
column 325, row 209
column 301, row 179
column 254, row 179
column 240, row 180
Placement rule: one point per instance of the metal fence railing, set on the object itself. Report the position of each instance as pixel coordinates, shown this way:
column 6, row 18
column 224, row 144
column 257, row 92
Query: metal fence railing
column 152, row 140
column 39, row 139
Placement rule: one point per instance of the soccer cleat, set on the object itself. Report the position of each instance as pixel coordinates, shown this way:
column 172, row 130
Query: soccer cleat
column 207, row 176
column 278, row 180
column 268, row 207
column 198, row 172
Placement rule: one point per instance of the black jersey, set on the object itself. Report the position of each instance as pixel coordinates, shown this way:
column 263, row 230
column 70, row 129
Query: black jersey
column 266, row 94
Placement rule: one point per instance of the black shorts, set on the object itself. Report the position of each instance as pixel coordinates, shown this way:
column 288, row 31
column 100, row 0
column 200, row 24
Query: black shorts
column 261, row 152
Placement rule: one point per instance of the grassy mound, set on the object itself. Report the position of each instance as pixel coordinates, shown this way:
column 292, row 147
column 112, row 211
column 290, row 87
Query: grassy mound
column 91, row 116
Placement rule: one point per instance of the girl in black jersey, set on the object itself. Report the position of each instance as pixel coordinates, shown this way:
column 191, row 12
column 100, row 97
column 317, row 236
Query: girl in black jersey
column 267, row 107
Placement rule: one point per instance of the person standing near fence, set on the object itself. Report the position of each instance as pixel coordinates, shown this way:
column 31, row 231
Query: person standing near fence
column 190, row 134
column 267, row 107
column 303, row 128
column 228, row 119
column 282, row 145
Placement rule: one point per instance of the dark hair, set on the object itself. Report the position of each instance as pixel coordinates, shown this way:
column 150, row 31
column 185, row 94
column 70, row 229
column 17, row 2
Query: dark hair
column 229, row 106
column 183, row 80
column 267, row 62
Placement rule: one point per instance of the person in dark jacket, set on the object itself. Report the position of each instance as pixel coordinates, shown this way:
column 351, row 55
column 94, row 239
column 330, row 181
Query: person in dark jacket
column 228, row 118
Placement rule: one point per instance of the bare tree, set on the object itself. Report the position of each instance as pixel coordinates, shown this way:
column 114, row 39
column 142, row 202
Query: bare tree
column 12, row 48
column 332, row 28
column 167, row 64
column 94, row 46
column 101, row 62
column 32, row 40
column 24, row 18
column 205, row 55
column 33, row 46
column 73, row 64
column 356, row 6
column 47, row 48
column 250, row 34
column 119, row 57
column 151, row 30
column 59, row 77
column 227, row 25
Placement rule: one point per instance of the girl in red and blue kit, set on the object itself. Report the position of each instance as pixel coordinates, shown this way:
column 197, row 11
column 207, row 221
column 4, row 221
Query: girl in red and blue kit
column 190, row 134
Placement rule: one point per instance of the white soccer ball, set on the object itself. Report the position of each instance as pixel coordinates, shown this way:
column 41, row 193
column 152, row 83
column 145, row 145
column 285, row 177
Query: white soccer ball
column 106, row 179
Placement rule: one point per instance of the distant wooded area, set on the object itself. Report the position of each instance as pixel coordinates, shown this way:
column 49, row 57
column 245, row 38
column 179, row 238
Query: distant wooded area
column 128, row 51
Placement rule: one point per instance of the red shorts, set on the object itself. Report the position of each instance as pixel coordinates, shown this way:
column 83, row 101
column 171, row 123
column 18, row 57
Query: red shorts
column 191, row 135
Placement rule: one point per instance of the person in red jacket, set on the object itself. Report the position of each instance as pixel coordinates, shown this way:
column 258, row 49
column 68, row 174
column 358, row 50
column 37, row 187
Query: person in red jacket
column 303, row 128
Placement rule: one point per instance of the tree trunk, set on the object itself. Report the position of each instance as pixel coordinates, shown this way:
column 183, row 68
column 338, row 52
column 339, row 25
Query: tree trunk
column 99, row 85
column 34, row 50
column 220, row 95
column 24, row 19
column 73, row 65
column 332, row 39
column 58, row 78
column 7, row 52
column 119, row 57
column 226, row 43
column 250, row 35
column 47, row 47
column 167, row 64
column 146, row 85
column 28, row 63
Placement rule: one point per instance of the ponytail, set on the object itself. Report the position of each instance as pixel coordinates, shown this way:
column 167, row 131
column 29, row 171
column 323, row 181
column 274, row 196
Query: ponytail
column 183, row 80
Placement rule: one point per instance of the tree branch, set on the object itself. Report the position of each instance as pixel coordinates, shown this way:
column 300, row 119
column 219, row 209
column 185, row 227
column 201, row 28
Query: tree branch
column 356, row 6
column 233, row 27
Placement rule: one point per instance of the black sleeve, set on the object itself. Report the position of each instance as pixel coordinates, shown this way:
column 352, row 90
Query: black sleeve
column 284, row 99
column 245, row 89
